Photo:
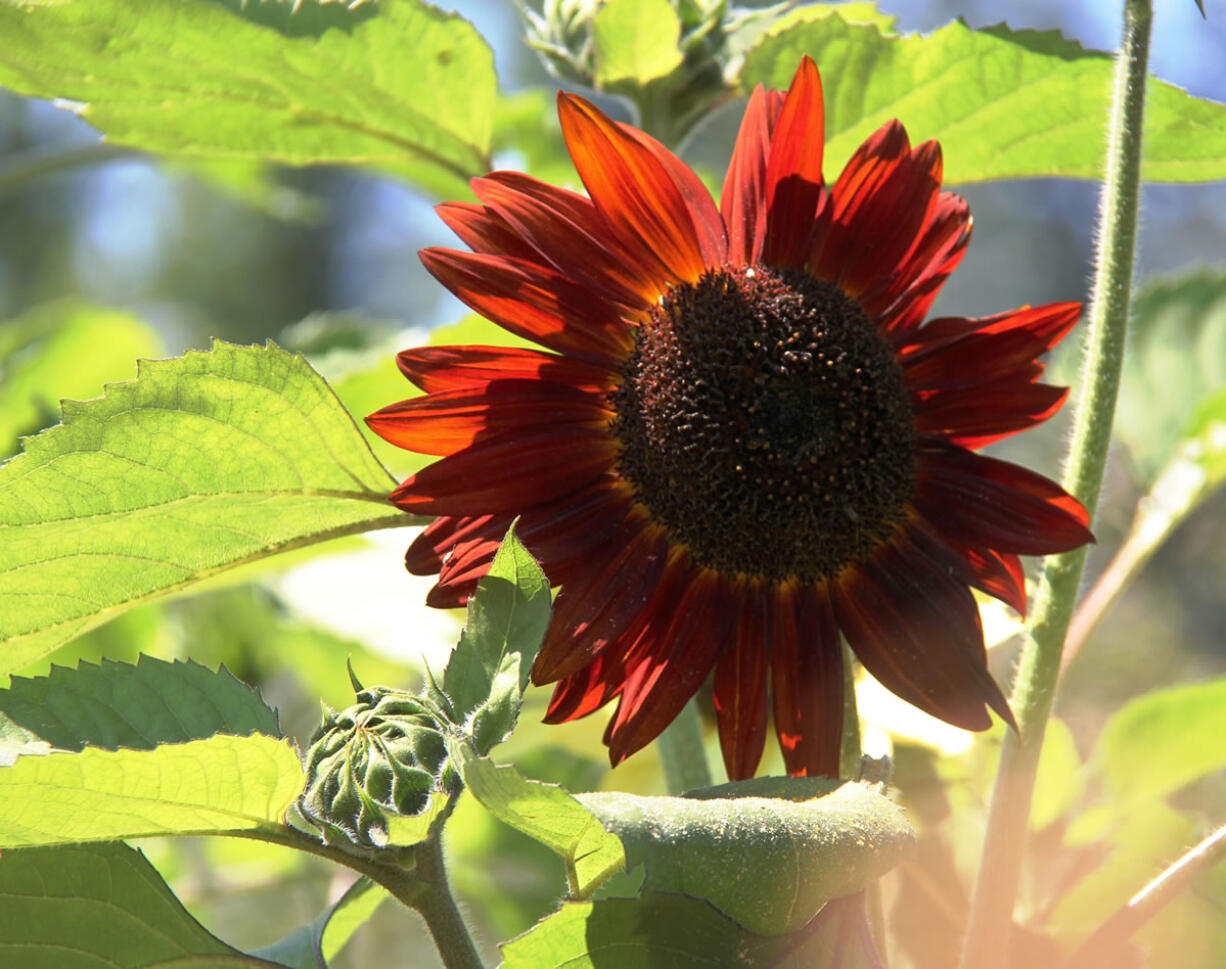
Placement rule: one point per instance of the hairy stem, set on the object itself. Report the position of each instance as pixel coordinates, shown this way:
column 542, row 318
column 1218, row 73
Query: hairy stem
column 986, row 945
column 682, row 753
column 415, row 876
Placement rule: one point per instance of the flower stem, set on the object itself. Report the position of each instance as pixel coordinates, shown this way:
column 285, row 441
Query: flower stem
column 438, row 907
column 682, row 753
column 849, row 755
column 986, row 945
column 1150, row 900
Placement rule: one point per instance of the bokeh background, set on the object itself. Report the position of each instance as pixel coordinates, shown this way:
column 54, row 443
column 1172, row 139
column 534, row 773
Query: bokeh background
column 200, row 254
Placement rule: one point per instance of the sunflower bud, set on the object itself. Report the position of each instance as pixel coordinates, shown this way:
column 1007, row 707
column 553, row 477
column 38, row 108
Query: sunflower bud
column 676, row 61
column 385, row 755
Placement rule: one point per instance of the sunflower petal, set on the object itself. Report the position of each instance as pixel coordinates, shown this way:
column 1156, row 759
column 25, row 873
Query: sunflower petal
column 917, row 631
column 807, row 680
column 440, row 368
column 743, row 203
column 634, row 192
column 990, row 503
column 795, row 192
column 741, row 678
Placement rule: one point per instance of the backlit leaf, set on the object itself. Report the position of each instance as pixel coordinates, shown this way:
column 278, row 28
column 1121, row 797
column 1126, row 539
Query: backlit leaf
column 1003, row 103
column 408, row 89
column 636, row 41
column 488, row 670
column 62, row 349
column 1164, row 740
column 223, row 783
column 138, row 707
column 546, row 813
column 202, row 463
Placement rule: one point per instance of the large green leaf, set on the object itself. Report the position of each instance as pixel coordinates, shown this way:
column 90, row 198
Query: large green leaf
column 1003, row 103
column 488, row 670
column 1163, row 741
column 767, row 853
column 661, row 931
column 138, row 707
column 546, row 813
column 220, row 784
column 92, row 906
column 202, row 463
column 63, row 349
column 409, row 90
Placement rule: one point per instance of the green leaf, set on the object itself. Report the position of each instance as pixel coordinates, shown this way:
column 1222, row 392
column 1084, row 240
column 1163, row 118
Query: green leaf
column 219, row 784
column 88, row 906
column 660, row 931
column 202, row 463
column 409, row 90
column 1003, row 103
column 1176, row 359
column 316, row 944
column 546, row 813
column 138, row 707
column 489, row 669
column 1163, row 741
column 767, row 853
column 63, row 349
column 1058, row 781
column 636, row 41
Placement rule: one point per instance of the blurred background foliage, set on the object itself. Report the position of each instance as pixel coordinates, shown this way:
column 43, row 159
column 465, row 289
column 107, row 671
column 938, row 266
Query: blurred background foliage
column 323, row 261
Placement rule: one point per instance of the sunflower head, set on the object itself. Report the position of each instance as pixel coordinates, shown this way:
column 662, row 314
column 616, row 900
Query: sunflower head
column 741, row 440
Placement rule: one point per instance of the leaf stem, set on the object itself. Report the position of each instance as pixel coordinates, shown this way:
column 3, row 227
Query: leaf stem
column 415, row 876
column 1151, row 899
column 986, row 945
column 682, row 753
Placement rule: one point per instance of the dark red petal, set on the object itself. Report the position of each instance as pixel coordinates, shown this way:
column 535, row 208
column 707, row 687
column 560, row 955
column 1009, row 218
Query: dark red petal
column 450, row 596
column 989, row 503
column 534, row 302
column 903, row 299
column 425, row 554
column 998, row 574
column 468, row 561
column 590, row 615
column 672, row 668
column 879, row 207
column 957, row 352
column 743, row 202
column 977, row 416
column 483, row 231
column 708, row 226
column 795, row 191
column 450, row 420
column 634, row 192
column 509, row 474
column 586, row 691
column 567, row 232
column 917, row 631
column 453, row 367
column 807, row 680
column 740, row 683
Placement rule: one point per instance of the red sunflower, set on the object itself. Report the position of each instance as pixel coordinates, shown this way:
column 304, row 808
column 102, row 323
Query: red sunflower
column 740, row 438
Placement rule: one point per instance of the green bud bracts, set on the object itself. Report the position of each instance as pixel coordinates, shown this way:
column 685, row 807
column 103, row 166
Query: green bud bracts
column 385, row 755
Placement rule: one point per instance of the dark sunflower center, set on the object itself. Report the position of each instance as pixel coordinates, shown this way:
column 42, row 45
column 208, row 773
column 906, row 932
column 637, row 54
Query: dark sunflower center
column 763, row 420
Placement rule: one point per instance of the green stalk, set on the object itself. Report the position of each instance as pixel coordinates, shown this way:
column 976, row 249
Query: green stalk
column 988, row 931
column 682, row 753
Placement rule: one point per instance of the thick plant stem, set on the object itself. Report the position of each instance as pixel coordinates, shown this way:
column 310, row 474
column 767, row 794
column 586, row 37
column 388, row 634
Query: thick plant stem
column 438, row 907
column 849, row 754
column 987, row 941
column 682, row 753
